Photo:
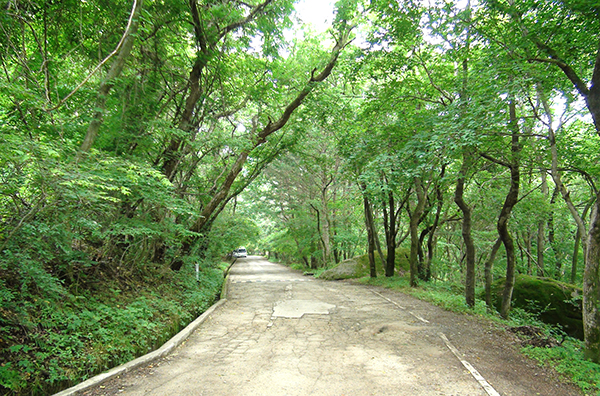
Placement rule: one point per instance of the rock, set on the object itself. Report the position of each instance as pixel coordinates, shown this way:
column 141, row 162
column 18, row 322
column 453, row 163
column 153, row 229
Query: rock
column 553, row 302
column 347, row 269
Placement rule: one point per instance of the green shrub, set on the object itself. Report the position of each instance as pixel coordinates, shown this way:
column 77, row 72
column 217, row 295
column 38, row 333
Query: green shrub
column 50, row 344
column 568, row 359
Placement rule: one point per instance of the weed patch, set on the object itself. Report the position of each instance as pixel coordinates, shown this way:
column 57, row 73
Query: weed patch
column 51, row 345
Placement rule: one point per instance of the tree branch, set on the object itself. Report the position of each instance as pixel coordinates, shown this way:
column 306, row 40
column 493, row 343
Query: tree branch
column 119, row 45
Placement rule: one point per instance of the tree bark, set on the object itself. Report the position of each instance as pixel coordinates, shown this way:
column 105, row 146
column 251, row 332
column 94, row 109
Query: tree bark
column 489, row 264
column 510, row 201
column 378, row 244
column 575, row 259
column 172, row 155
column 326, row 227
column 466, row 228
column 390, row 235
column 467, row 160
column 415, row 217
column 577, row 245
column 591, row 287
column 591, row 95
column 370, row 233
column 207, row 214
column 115, row 70
column 541, row 240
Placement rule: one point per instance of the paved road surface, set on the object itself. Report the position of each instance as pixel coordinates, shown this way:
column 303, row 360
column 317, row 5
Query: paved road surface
column 281, row 333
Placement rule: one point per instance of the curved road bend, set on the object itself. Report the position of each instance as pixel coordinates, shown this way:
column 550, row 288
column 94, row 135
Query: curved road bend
column 281, row 333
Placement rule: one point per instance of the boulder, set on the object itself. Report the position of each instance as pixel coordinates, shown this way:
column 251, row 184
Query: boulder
column 553, row 302
column 358, row 267
column 347, row 269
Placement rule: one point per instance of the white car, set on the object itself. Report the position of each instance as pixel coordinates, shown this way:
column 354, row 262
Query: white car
column 240, row 253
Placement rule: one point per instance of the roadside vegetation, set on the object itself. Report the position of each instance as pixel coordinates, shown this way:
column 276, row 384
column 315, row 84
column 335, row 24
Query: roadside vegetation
column 64, row 339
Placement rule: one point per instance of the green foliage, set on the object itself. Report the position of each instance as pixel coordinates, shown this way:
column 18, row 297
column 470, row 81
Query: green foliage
column 568, row 359
column 443, row 294
column 429, row 83
column 232, row 231
column 56, row 342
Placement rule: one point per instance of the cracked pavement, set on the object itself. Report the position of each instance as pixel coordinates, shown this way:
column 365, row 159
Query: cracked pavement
column 281, row 333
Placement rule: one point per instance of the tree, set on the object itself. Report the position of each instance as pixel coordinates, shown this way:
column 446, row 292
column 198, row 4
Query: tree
column 539, row 43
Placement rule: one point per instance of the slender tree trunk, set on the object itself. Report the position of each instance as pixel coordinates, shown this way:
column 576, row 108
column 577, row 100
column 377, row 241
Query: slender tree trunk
column 378, row 244
column 591, row 284
column 541, row 240
column 489, row 265
column 556, row 176
column 115, row 71
column 467, row 160
column 320, row 233
column 510, row 201
column 466, row 228
column 577, row 245
column 370, row 234
column 326, row 228
column 528, row 249
column 415, row 217
column 575, row 257
column 390, row 234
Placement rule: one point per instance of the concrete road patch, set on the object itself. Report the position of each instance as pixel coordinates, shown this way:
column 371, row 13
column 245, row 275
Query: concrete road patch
column 297, row 308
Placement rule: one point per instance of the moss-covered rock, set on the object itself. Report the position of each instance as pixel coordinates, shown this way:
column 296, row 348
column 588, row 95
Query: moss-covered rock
column 554, row 302
column 358, row 267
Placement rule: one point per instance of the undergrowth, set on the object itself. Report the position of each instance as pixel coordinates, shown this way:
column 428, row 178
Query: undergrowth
column 49, row 345
column 566, row 358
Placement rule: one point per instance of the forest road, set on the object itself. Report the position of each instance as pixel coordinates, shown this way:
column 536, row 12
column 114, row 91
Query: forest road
column 282, row 333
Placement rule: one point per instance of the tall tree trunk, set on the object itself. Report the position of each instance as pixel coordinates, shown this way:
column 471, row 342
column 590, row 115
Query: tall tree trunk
column 415, row 217
column 466, row 228
column 390, row 234
column 577, row 244
column 510, row 201
column 126, row 44
column 320, row 233
column 378, row 245
column 575, row 257
column 555, row 173
column 541, row 240
column 467, row 161
column 326, row 228
column 489, row 264
column 528, row 250
column 591, row 287
column 370, row 233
